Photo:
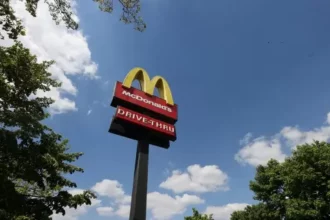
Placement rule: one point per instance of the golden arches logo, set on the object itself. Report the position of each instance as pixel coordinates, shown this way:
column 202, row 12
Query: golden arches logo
column 147, row 85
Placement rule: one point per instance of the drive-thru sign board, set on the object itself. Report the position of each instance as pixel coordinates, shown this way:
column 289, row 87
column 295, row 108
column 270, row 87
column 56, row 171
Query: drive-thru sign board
column 142, row 116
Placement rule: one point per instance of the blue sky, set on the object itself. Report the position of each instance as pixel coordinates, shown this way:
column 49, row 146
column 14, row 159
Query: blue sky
column 251, row 79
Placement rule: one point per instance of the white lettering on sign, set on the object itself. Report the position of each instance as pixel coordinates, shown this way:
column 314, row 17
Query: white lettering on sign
column 120, row 111
column 145, row 120
column 141, row 99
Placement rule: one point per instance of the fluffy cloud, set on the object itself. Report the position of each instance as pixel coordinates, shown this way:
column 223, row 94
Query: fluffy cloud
column 123, row 211
column 73, row 214
column 49, row 41
column 262, row 149
column 246, row 139
column 224, row 212
column 163, row 206
column 197, row 179
column 105, row 211
column 112, row 189
column 294, row 136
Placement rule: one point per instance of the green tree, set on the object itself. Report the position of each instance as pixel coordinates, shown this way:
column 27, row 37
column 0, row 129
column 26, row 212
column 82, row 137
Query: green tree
column 61, row 10
column 297, row 189
column 198, row 216
column 33, row 158
column 255, row 212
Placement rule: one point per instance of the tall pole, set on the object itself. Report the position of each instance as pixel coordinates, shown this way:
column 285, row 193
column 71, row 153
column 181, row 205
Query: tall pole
column 140, row 185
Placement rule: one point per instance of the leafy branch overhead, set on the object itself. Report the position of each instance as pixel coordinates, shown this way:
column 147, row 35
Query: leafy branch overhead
column 33, row 158
column 61, row 11
column 130, row 14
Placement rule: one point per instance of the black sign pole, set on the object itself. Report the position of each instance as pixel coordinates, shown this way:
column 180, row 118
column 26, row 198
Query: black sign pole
column 139, row 194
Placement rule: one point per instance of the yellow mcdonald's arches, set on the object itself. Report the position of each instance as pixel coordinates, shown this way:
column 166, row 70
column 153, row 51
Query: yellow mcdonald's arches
column 148, row 85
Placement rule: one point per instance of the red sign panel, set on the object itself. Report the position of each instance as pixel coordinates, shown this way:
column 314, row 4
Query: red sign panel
column 140, row 98
column 145, row 121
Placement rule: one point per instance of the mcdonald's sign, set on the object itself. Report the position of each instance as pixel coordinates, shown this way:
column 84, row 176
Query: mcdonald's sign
column 143, row 100
column 140, row 115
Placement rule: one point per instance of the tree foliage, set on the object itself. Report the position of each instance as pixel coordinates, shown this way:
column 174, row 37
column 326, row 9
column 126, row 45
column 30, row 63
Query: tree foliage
column 130, row 12
column 33, row 158
column 198, row 216
column 255, row 212
column 297, row 189
column 61, row 11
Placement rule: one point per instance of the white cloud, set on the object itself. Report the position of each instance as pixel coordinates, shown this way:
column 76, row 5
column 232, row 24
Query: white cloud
column 328, row 118
column 167, row 171
column 75, row 191
column 224, row 212
column 126, row 200
column 49, row 41
column 105, row 211
column 197, row 179
column 246, row 139
column 123, row 211
column 61, row 105
column 112, row 189
column 73, row 214
column 89, row 112
column 163, row 206
column 294, row 136
column 260, row 151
